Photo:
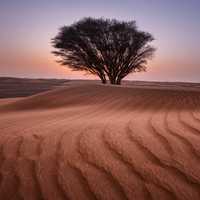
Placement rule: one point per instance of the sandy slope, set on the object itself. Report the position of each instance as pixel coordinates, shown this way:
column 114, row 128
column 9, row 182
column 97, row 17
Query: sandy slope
column 101, row 142
column 21, row 87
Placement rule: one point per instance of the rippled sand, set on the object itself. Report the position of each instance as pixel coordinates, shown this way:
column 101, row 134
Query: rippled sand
column 88, row 141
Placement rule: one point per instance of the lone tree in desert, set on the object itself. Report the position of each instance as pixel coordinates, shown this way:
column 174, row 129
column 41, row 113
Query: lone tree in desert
column 107, row 48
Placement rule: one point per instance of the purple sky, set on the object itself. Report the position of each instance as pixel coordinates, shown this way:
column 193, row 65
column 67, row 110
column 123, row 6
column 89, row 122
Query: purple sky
column 27, row 27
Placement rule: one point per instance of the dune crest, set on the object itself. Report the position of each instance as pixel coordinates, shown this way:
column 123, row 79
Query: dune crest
column 101, row 142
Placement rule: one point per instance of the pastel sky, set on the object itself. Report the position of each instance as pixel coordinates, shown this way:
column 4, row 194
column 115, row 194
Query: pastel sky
column 27, row 27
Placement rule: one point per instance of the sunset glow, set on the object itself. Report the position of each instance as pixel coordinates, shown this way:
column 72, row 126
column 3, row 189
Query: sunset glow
column 28, row 26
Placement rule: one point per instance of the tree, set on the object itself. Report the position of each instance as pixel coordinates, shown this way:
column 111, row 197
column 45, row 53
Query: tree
column 107, row 48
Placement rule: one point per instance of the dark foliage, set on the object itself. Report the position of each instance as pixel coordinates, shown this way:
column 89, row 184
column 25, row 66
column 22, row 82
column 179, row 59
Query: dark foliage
column 107, row 48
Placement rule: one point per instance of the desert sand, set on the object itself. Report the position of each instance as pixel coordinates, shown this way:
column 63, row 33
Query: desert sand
column 89, row 141
column 20, row 87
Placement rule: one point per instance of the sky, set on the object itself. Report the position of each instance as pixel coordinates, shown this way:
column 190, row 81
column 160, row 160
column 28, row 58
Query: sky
column 27, row 28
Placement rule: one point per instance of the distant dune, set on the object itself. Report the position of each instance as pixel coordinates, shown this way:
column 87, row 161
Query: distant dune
column 85, row 140
column 20, row 87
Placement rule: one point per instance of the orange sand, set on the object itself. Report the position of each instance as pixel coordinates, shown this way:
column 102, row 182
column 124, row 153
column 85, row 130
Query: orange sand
column 88, row 141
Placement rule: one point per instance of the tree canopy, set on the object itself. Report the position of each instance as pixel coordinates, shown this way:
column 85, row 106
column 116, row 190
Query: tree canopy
column 108, row 48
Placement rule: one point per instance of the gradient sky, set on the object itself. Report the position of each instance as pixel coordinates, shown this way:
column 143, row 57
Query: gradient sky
column 27, row 27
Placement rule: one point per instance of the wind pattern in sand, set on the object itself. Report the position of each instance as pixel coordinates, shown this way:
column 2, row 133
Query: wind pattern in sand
column 101, row 142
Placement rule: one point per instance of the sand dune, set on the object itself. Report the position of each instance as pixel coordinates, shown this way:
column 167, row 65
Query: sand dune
column 20, row 87
column 88, row 141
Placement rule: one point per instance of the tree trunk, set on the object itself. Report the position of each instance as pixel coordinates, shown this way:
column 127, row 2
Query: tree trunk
column 115, row 80
column 103, row 81
column 103, row 78
column 112, row 81
column 118, row 82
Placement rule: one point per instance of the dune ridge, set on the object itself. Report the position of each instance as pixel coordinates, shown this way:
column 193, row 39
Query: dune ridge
column 88, row 141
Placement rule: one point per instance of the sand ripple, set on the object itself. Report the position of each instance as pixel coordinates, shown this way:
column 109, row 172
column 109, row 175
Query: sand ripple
column 97, row 142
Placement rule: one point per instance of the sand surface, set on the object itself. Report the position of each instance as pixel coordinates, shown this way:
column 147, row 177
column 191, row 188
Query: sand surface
column 88, row 141
column 20, row 87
